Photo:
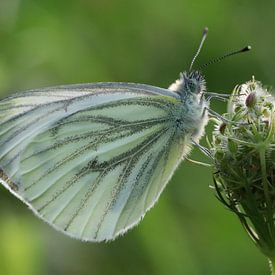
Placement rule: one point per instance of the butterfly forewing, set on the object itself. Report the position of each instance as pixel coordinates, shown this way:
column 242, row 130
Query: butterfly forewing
column 90, row 159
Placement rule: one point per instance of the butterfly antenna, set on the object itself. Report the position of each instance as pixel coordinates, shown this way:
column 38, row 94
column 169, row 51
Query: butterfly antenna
column 204, row 35
column 217, row 60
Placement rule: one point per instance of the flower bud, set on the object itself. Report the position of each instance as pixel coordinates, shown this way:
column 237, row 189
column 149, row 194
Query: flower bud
column 250, row 100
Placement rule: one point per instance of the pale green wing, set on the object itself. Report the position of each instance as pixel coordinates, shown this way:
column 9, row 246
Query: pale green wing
column 89, row 159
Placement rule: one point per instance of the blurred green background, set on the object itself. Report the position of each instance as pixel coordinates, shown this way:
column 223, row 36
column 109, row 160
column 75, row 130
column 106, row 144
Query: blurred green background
column 45, row 43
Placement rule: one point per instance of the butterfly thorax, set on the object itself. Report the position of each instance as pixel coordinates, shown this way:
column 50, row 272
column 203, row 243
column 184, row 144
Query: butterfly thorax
column 191, row 117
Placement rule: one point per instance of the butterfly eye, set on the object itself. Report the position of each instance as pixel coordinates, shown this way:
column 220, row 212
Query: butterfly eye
column 193, row 86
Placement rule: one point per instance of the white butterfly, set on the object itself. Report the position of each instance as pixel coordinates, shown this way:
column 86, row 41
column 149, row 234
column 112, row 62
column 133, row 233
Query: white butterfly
column 91, row 159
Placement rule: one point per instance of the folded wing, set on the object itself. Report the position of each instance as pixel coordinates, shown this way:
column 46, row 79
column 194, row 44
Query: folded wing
column 89, row 159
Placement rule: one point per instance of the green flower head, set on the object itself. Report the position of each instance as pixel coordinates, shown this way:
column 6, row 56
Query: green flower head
column 244, row 153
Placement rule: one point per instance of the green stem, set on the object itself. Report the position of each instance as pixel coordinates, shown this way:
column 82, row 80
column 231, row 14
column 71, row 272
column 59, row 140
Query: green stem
column 270, row 221
column 265, row 180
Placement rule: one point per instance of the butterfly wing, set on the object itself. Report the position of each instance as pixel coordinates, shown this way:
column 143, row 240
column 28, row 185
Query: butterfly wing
column 89, row 159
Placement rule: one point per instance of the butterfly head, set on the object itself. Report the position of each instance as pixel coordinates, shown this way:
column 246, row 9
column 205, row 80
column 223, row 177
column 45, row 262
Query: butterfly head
column 189, row 83
column 193, row 82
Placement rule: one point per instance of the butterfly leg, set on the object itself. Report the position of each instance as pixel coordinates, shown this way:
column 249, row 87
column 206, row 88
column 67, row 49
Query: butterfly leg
column 217, row 94
column 203, row 149
column 222, row 97
column 216, row 115
column 220, row 117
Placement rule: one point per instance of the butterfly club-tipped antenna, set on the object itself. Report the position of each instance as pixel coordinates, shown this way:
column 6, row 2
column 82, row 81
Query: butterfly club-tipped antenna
column 219, row 59
column 204, row 35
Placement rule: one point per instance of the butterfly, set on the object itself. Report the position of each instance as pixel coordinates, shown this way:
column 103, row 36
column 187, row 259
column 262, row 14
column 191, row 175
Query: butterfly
column 92, row 159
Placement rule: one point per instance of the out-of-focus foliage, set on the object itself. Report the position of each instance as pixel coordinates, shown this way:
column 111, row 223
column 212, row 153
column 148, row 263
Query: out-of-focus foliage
column 46, row 43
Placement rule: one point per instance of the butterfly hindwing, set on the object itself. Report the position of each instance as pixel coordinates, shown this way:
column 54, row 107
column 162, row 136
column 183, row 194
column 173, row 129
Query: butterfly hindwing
column 90, row 159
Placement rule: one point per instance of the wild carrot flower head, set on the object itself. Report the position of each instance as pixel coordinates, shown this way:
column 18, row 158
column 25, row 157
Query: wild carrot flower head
column 244, row 153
